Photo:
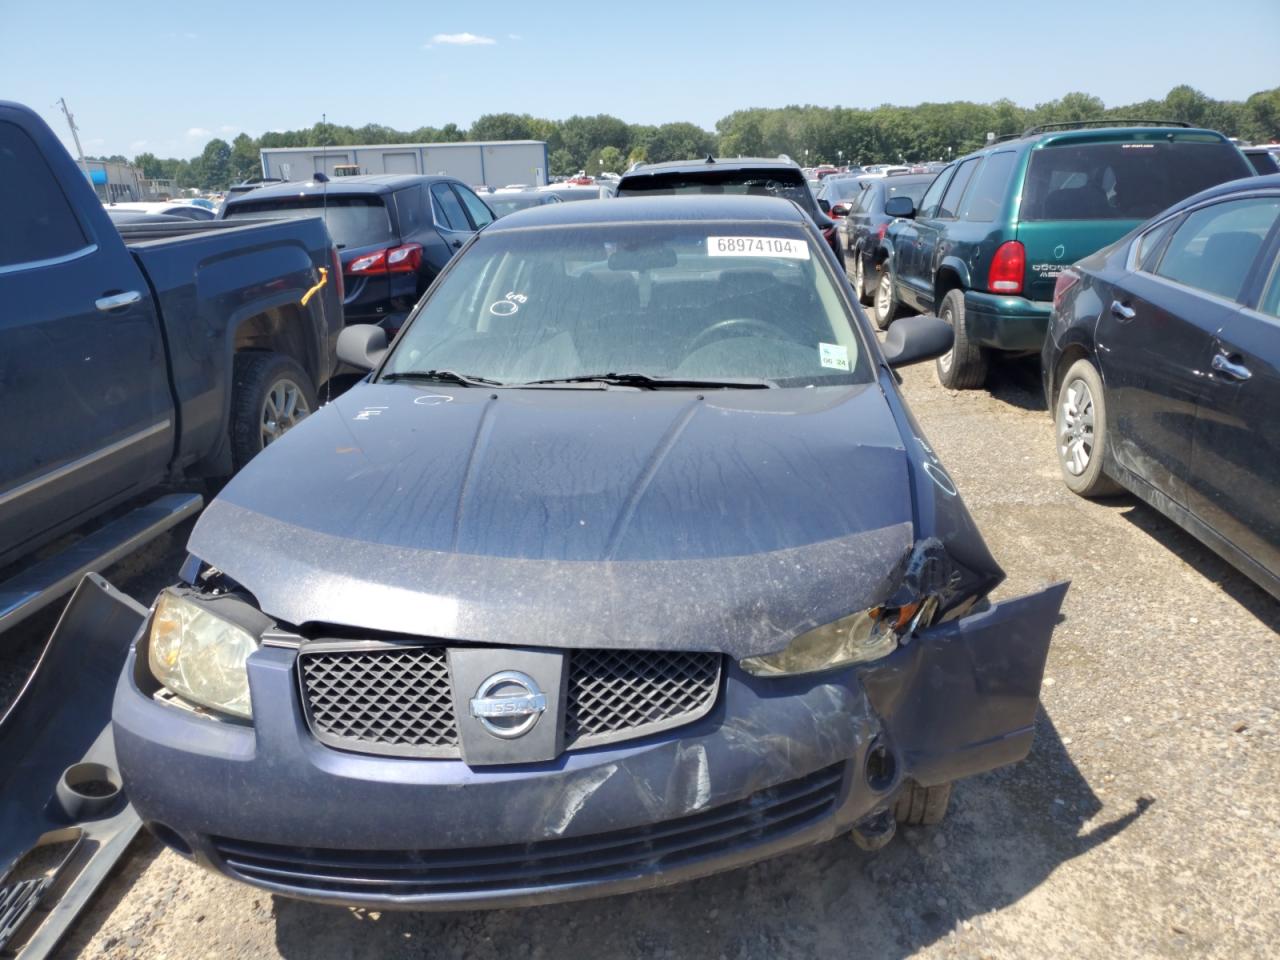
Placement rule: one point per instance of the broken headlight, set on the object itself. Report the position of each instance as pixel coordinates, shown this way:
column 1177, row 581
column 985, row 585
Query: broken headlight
column 857, row 638
column 200, row 656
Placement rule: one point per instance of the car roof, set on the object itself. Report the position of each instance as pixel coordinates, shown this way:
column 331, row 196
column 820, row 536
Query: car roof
column 677, row 209
column 717, row 163
column 1268, row 183
column 339, row 186
column 1098, row 134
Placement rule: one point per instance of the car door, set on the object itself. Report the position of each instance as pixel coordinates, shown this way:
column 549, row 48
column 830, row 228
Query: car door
column 907, row 243
column 1235, row 456
column 451, row 222
column 859, row 218
column 83, row 374
column 479, row 212
column 1156, row 333
column 933, row 240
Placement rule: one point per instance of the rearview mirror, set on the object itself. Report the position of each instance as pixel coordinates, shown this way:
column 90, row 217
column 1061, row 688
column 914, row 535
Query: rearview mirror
column 824, row 205
column 362, row 345
column 914, row 339
column 900, row 207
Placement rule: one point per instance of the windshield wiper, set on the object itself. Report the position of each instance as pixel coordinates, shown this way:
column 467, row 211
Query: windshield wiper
column 654, row 383
column 441, row 376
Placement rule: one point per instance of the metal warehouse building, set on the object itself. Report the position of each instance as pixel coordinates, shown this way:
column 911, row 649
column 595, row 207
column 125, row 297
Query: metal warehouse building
column 494, row 163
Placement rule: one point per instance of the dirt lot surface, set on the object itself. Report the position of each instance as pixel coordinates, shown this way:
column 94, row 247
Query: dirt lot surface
column 1144, row 824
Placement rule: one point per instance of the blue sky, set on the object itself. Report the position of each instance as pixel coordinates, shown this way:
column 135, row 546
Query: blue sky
column 167, row 77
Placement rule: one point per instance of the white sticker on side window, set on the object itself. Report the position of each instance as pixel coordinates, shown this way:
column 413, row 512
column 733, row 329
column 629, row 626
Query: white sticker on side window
column 833, row 355
column 783, row 247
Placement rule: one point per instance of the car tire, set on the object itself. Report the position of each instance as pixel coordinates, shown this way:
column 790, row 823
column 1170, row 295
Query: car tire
column 917, row 806
column 964, row 366
column 270, row 394
column 885, row 306
column 860, row 278
column 1080, row 431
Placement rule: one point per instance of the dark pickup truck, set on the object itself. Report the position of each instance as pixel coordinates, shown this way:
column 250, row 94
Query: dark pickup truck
column 136, row 357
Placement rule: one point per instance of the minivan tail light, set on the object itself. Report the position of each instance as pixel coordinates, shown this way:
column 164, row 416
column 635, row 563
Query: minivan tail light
column 1007, row 268
column 884, row 228
column 335, row 263
column 1067, row 279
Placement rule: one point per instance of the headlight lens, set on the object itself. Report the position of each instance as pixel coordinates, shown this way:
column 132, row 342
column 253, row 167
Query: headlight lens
column 199, row 656
column 857, row 638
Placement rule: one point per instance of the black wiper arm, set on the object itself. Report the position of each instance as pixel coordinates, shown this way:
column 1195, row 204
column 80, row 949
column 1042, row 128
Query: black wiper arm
column 442, row 376
column 655, row 383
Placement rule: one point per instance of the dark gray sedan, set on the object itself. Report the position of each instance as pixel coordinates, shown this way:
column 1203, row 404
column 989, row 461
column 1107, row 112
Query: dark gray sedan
column 627, row 564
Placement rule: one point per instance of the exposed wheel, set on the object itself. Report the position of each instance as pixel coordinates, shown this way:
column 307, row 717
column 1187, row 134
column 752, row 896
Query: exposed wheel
column 885, row 307
column 964, row 366
column 270, row 394
column 860, row 279
column 1080, row 422
column 918, row 806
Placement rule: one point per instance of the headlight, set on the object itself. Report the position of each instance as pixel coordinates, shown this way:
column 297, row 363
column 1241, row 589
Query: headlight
column 199, row 656
column 857, row 638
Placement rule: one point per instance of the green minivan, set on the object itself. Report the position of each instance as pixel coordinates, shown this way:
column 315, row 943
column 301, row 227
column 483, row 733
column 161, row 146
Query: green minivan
column 987, row 241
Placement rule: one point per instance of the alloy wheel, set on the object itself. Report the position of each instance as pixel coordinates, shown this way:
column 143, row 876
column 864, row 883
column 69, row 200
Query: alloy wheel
column 1075, row 427
column 285, row 405
column 884, row 295
column 857, row 275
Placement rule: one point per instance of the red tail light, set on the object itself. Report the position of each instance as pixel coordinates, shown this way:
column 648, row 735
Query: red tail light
column 884, row 228
column 1007, row 268
column 335, row 266
column 1066, row 280
column 405, row 259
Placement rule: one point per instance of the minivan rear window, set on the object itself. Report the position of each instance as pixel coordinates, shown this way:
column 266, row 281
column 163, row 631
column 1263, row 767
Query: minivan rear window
column 352, row 221
column 1123, row 180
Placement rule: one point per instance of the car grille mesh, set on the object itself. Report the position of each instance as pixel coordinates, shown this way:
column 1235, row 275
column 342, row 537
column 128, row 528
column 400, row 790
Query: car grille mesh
column 613, row 693
column 381, row 698
column 760, row 818
column 398, row 700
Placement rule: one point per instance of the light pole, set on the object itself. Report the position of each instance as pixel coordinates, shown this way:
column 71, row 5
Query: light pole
column 839, row 158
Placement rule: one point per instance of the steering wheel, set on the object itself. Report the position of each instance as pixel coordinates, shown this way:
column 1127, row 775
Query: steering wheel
column 717, row 331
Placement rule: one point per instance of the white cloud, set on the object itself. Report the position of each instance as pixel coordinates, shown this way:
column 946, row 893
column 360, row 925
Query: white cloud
column 196, row 132
column 461, row 40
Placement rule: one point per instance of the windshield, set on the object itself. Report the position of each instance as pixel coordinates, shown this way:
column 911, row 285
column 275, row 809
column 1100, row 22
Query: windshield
column 1123, row 181
column 691, row 300
column 501, row 205
column 835, row 190
column 352, row 221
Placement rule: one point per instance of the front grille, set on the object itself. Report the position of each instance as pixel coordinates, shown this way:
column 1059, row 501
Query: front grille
column 393, row 701
column 620, row 694
column 397, row 700
column 545, row 864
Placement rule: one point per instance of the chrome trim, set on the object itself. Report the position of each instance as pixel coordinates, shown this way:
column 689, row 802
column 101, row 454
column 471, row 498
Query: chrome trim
column 117, row 300
column 68, row 468
column 50, row 262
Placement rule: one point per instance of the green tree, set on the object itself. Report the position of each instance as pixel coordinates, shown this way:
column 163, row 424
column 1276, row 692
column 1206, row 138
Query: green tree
column 245, row 160
column 502, row 126
column 214, row 165
column 562, row 164
column 680, row 141
column 151, row 166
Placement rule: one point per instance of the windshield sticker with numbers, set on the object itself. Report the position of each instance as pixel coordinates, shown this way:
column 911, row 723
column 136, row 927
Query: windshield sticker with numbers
column 784, row 247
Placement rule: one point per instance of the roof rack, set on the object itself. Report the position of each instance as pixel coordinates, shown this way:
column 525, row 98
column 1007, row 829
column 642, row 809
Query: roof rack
column 1119, row 122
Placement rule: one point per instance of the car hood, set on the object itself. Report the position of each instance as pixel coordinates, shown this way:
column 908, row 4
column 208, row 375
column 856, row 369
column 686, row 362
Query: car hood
column 731, row 520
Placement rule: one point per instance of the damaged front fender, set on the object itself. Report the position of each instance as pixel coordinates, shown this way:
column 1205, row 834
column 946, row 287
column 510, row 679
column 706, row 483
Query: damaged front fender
column 961, row 697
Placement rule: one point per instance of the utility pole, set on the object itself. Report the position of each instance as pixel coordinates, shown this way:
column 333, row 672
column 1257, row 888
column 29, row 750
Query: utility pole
column 75, row 135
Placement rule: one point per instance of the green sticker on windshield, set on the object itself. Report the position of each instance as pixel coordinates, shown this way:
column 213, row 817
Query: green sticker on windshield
column 833, row 355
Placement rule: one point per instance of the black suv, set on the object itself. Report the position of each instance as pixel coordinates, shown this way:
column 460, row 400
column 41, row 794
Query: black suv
column 394, row 233
column 985, row 244
column 752, row 176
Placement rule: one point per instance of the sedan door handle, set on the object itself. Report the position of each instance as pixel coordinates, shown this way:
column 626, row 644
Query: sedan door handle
column 117, row 300
column 1237, row 371
column 1122, row 311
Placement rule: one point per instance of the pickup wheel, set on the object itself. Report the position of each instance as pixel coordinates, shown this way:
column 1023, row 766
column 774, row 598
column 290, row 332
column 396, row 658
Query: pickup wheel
column 918, row 806
column 885, row 307
column 1080, row 422
column 964, row 366
column 270, row 393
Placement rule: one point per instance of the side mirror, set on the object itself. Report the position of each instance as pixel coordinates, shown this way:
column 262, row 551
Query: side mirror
column 900, row 207
column 913, row 339
column 841, row 209
column 824, row 205
column 362, row 345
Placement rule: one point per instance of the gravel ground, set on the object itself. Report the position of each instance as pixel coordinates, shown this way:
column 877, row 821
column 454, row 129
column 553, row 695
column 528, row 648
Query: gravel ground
column 1144, row 824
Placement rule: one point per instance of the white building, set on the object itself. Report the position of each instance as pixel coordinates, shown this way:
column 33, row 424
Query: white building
column 495, row 163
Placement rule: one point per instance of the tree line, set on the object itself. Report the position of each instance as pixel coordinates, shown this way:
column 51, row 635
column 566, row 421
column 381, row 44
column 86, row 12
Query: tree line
column 808, row 134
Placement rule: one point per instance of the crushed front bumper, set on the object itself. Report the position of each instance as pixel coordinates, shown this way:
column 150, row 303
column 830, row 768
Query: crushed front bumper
column 778, row 764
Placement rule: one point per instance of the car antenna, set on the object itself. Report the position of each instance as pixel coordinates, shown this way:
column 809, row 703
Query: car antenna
column 321, row 177
column 710, row 158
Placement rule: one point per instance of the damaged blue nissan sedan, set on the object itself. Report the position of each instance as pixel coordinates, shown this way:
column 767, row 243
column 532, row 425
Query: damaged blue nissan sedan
column 626, row 564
